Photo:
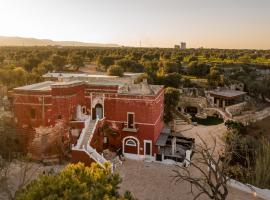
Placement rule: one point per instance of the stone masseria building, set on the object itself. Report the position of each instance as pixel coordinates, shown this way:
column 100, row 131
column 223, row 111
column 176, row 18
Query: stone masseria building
column 132, row 112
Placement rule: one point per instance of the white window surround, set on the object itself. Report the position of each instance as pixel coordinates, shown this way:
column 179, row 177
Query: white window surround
column 132, row 113
column 144, row 147
column 134, row 138
column 130, row 142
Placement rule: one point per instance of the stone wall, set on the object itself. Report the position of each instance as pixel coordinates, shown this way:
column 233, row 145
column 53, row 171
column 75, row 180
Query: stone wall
column 187, row 101
column 236, row 109
column 254, row 116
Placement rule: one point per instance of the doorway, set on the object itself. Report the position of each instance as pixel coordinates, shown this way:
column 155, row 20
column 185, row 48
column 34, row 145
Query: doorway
column 147, row 147
column 97, row 112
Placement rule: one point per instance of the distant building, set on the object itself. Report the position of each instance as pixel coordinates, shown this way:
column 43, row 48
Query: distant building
column 177, row 46
column 183, row 45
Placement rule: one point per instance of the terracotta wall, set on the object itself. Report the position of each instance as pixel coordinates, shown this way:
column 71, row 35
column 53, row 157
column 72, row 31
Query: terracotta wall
column 81, row 156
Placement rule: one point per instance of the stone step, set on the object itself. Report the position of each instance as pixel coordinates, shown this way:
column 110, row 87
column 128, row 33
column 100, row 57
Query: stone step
column 179, row 124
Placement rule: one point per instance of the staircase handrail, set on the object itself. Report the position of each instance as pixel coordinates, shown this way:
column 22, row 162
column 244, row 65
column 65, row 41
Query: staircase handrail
column 82, row 135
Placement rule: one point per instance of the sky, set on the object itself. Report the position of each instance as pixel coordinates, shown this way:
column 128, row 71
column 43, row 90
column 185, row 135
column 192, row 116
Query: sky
column 156, row 23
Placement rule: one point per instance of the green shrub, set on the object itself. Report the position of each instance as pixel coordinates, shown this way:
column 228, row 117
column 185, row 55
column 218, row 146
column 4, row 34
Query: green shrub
column 115, row 71
column 261, row 172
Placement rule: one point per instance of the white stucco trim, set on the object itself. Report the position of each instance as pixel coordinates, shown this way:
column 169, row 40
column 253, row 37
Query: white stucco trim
column 132, row 144
column 132, row 113
column 133, row 156
column 144, row 147
column 134, row 138
column 114, row 121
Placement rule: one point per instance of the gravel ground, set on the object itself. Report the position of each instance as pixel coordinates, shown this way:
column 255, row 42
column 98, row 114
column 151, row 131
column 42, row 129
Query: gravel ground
column 154, row 181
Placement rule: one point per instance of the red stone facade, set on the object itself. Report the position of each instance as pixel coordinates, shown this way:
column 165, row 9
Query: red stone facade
column 134, row 121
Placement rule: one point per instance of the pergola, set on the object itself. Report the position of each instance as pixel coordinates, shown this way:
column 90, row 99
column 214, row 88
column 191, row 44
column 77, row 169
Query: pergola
column 223, row 98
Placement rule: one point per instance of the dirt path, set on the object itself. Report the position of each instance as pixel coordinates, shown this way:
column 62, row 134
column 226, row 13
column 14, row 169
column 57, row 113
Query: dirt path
column 208, row 134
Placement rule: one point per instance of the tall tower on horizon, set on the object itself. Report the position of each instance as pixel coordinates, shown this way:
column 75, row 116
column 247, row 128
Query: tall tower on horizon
column 183, row 45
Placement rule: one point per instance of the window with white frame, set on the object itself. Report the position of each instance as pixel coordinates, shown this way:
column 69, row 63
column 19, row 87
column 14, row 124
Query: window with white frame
column 130, row 120
column 131, row 142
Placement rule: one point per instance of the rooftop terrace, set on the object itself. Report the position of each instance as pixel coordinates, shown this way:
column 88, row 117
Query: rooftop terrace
column 133, row 89
column 43, row 86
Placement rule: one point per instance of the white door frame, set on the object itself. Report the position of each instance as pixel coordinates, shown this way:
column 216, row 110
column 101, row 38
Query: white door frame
column 144, row 147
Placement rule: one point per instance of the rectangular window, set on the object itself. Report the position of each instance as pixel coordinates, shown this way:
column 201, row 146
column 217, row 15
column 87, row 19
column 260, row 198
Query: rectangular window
column 131, row 120
column 33, row 113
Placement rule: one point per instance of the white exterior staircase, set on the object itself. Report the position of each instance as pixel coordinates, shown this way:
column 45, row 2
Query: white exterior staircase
column 83, row 143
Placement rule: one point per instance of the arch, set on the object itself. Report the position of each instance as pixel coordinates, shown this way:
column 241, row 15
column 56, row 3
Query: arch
column 126, row 139
column 98, row 111
column 191, row 110
column 130, row 142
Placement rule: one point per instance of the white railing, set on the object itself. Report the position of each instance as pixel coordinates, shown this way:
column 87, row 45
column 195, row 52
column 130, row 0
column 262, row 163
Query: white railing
column 93, row 152
column 93, row 130
column 95, row 155
column 82, row 135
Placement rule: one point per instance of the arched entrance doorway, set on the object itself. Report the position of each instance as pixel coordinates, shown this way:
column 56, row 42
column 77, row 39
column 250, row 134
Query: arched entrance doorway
column 97, row 112
column 131, row 145
column 192, row 110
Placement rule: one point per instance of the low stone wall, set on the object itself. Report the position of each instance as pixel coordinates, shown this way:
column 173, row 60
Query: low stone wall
column 254, row 116
column 236, row 109
column 262, row 193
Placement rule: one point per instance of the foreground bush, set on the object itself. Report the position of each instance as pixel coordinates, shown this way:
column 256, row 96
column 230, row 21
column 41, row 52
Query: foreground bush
column 261, row 172
column 78, row 182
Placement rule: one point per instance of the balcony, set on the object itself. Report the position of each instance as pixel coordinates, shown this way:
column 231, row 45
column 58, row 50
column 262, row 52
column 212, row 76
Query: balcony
column 131, row 128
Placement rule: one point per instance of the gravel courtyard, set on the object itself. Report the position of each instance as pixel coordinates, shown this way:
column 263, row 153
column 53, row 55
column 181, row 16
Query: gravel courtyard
column 154, row 181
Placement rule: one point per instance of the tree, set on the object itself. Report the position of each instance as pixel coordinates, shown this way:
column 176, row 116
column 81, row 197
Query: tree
column 50, row 142
column 31, row 63
column 209, row 177
column 77, row 61
column 58, row 62
column 9, row 141
column 130, row 65
column 104, row 62
column 236, row 126
column 76, row 181
column 213, row 79
column 2, row 58
column 170, row 80
column 115, row 71
column 261, row 177
column 198, row 69
column 171, row 67
column 15, row 175
column 171, row 99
